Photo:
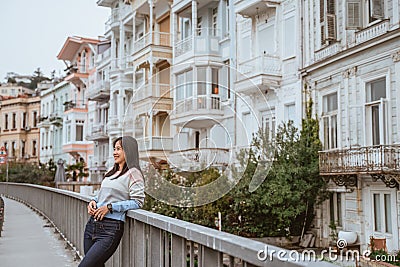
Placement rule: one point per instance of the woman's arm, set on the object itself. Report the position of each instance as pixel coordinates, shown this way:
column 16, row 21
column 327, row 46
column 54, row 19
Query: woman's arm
column 136, row 193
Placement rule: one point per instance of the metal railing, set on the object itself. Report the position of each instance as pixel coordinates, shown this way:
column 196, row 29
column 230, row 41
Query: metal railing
column 369, row 159
column 149, row 239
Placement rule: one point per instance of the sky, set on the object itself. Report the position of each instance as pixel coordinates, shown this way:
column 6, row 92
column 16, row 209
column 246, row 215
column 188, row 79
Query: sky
column 32, row 33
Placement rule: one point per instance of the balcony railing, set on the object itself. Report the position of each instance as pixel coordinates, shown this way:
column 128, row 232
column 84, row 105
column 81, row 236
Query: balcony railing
column 201, row 102
column 204, row 41
column 370, row 159
column 155, row 143
column 372, row 32
column 266, row 64
column 100, row 92
column 155, row 90
column 327, row 51
column 153, row 38
column 198, row 158
column 104, row 56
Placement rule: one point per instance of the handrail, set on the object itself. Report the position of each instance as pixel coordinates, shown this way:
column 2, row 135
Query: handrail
column 149, row 239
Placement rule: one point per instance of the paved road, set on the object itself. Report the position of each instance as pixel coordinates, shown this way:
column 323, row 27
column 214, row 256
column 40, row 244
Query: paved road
column 26, row 240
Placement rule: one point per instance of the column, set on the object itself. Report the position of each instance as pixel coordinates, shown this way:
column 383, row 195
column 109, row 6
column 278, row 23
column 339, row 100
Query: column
column 254, row 44
column 113, row 52
column 121, row 46
column 396, row 78
column 150, row 131
column 151, row 7
column 174, row 33
column 396, row 15
column 194, row 22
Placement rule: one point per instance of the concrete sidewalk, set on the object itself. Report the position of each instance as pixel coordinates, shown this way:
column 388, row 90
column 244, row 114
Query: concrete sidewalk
column 26, row 240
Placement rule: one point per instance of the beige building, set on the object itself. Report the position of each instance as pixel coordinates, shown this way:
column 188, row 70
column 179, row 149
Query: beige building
column 19, row 131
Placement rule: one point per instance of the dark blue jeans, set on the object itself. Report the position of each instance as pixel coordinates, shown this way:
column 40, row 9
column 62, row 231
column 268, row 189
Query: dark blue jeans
column 101, row 239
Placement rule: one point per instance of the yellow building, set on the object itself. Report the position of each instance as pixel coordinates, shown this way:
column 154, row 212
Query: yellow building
column 18, row 124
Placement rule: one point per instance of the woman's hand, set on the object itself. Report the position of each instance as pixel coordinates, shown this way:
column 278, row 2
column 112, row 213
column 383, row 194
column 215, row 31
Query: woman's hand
column 91, row 208
column 100, row 212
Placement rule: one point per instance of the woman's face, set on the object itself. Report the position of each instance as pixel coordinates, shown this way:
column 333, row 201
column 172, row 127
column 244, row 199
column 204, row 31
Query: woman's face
column 119, row 154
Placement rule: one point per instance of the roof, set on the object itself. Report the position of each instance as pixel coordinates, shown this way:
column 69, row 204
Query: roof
column 72, row 45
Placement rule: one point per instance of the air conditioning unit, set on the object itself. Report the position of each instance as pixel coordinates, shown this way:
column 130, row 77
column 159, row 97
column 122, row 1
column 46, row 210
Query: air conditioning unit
column 27, row 128
column 27, row 156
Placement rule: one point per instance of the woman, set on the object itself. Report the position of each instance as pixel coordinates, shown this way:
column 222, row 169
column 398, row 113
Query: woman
column 121, row 190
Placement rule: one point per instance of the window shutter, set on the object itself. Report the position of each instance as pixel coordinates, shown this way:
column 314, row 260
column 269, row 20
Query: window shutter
column 377, row 9
column 321, row 20
column 354, row 14
column 330, row 27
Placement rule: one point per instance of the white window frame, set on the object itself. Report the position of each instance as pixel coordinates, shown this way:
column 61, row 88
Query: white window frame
column 329, row 115
column 268, row 122
column 385, row 114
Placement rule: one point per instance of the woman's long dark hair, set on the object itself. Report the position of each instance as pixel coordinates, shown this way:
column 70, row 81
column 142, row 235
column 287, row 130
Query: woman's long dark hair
column 130, row 147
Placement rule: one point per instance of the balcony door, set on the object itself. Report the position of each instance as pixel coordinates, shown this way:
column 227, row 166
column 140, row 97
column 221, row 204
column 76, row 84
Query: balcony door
column 376, row 112
column 381, row 217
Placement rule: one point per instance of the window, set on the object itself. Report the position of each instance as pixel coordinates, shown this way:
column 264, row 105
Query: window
column 226, row 17
column 199, row 25
column 382, row 212
column 335, row 208
column 355, row 12
column 215, row 83
column 201, row 81
column 215, row 21
column 79, row 132
column 268, row 123
column 289, row 37
column 83, row 62
column 6, row 122
column 22, row 149
column 68, row 133
column 14, row 120
column 327, row 13
column 35, row 119
column 290, row 112
column 23, row 119
column 329, row 119
column 376, row 106
column 224, row 87
column 13, row 147
column 34, row 148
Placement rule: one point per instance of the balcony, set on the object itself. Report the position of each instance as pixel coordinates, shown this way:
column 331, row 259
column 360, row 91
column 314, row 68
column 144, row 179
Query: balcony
column 97, row 133
column 100, row 92
column 157, row 43
column 152, row 97
column 78, row 106
column 154, row 147
column 258, row 73
column 199, row 158
column 327, row 51
column 371, row 32
column 381, row 162
column 204, row 42
column 43, row 122
column 103, row 57
column 55, row 120
column 202, row 111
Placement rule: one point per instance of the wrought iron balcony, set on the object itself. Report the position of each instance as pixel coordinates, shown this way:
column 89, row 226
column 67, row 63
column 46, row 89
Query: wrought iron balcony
column 381, row 162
